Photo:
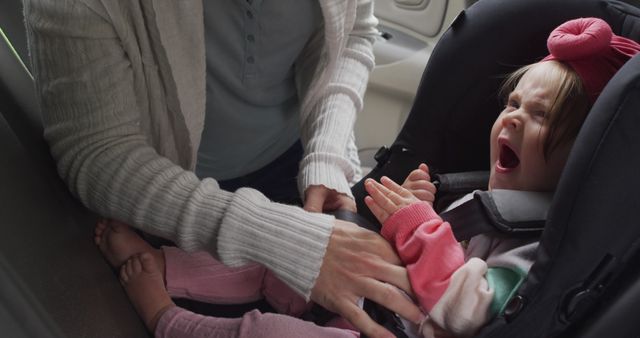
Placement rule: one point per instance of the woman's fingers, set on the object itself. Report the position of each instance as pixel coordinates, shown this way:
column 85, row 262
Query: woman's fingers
column 354, row 263
column 394, row 275
column 394, row 300
column 319, row 198
column 361, row 320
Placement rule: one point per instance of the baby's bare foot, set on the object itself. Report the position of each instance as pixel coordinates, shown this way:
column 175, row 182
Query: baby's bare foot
column 118, row 242
column 143, row 282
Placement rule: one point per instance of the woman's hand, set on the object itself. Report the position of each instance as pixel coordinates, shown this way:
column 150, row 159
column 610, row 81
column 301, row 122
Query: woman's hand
column 318, row 198
column 359, row 263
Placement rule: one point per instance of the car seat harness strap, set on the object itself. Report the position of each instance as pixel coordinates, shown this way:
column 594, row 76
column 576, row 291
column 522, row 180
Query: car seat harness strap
column 509, row 213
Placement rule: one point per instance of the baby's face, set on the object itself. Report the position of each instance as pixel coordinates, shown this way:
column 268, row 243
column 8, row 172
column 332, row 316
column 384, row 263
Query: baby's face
column 517, row 136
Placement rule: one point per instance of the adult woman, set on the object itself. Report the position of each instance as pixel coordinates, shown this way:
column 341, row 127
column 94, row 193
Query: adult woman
column 123, row 88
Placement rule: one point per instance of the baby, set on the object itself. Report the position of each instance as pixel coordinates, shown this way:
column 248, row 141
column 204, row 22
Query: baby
column 461, row 288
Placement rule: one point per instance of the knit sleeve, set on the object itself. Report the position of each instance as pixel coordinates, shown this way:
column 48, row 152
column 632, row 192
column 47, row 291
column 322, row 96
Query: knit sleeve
column 426, row 245
column 329, row 113
column 92, row 119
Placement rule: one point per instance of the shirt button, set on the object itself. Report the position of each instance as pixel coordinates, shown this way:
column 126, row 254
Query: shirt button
column 251, row 38
column 250, row 59
column 249, row 15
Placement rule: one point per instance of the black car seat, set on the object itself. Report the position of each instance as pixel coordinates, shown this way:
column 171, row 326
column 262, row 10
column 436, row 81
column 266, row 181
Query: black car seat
column 54, row 281
column 13, row 26
column 586, row 279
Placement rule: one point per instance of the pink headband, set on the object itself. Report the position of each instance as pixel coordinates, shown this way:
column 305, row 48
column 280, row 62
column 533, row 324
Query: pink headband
column 589, row 47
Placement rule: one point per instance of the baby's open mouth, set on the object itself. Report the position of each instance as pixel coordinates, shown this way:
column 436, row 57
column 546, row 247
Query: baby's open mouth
column 508, row 158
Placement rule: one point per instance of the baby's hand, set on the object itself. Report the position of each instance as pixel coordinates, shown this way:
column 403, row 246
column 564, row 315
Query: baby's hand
column 386, row 198
column 419, row 184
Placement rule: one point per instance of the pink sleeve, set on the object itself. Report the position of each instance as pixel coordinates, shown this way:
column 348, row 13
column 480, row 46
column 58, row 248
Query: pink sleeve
column 426, row 245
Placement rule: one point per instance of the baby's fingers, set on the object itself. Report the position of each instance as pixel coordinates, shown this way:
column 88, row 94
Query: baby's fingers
column 419, row 174
column 385, row 198
column 424, row 195
column 421, row 185
column 424, row 168
column 395, row 188
column 377, row 211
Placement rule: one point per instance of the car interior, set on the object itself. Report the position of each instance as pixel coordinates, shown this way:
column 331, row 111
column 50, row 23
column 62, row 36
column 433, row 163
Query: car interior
column 585, row 282
column 409, row 31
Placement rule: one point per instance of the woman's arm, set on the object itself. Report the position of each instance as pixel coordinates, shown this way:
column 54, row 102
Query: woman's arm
column 330, row 107
column 87, row 82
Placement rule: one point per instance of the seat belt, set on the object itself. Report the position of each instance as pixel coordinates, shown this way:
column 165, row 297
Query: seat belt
column 463, row 182
column 501, row 212
column 507, row 213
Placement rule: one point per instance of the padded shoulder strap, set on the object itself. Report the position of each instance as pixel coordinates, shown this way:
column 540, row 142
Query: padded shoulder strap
column 462, row 182
column 504, row 212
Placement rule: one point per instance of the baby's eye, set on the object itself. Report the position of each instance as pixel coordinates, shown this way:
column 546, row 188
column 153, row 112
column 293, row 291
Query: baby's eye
column 512, row 104
column 539, row 114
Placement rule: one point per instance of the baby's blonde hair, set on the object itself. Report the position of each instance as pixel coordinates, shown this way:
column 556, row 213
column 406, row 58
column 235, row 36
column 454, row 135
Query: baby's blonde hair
column 569, row 108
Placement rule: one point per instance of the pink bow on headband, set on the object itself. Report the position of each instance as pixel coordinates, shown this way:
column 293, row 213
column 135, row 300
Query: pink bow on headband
column 589, row 47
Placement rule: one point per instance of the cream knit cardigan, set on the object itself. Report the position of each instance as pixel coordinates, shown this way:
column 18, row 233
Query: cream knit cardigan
column 122, row 90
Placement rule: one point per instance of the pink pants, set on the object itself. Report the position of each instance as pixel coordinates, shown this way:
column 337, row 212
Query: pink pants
column 200, row 277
